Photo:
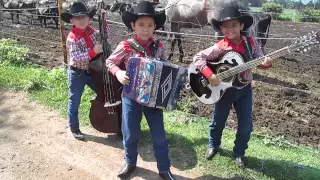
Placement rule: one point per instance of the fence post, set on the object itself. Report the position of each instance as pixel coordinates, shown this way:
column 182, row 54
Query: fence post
column 62, row 34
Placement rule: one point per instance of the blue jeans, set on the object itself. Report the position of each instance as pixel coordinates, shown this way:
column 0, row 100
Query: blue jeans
column 77, row 79
column 242, row 102
column 131, row 118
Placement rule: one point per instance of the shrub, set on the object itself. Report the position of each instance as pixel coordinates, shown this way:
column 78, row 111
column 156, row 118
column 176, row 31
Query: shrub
column 275, row 9
column 290, row 17
column 12, row 53
column 310, row 15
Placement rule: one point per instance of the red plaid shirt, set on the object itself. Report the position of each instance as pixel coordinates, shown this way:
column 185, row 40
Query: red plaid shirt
column 213, row 52
column 123, row 52
column 80, row 46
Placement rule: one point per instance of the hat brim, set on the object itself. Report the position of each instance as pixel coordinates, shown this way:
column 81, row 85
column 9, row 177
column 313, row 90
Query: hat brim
column 65, row 16
column 128, row 17
column 246, row 19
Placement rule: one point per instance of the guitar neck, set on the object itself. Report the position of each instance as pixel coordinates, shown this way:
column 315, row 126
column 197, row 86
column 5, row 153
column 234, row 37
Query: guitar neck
column 254, row 63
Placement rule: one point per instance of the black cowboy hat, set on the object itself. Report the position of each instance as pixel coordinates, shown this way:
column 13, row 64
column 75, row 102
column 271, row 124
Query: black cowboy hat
column 232, row 13
column 144, row 8
column 77, row 9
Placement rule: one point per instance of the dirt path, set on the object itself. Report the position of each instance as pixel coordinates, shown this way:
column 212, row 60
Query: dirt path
column 35, row 143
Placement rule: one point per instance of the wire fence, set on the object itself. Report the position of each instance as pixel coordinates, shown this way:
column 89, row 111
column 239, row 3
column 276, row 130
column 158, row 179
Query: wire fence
column 277, row 16
column 12, row 33
column 118, row 32
column 199, row 40
column 186, row 36
column 33, row 14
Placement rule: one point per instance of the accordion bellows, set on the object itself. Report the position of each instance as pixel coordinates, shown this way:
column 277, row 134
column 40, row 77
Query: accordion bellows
column 154, row 83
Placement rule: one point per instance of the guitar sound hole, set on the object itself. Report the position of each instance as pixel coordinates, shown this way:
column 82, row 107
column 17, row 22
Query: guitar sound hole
column 222, row 69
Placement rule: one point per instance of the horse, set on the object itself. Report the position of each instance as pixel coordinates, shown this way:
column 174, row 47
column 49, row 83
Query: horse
column 47, row 9
column 16, row 7
column 122, row 6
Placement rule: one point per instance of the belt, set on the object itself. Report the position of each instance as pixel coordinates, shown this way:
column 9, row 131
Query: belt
column 78, row 69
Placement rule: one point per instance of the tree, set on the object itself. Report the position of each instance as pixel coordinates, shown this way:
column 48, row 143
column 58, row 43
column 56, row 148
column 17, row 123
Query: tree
column 256, row 3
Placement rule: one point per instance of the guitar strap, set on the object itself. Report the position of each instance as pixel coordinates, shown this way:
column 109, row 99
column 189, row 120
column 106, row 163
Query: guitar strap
column 138, row 47
column 248, row 48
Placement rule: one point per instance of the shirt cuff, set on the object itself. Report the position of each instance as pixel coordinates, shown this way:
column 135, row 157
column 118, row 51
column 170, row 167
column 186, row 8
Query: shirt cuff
column 207, row 72
column 114, row 70
column 92, row 53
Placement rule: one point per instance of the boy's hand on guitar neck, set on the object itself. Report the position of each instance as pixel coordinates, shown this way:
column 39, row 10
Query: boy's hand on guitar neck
column 267, row 62
column 122, row 77
column 214, row 81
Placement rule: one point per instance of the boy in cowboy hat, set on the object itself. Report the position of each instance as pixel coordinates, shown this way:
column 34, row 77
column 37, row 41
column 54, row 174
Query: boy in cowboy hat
column 143, row 21
column 231, row 23
column 83, row 46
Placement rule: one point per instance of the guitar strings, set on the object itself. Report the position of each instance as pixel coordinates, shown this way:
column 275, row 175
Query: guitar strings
column 254, row 63
column 274, row 54
column 101, row 25
column 236, row 70
column 226, row 74
column 108, row 80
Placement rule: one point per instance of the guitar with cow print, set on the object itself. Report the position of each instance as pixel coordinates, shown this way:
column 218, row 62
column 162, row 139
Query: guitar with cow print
column 230, row 66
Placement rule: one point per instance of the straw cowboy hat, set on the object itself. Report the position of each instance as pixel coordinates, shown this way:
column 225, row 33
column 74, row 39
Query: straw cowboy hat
column 144, row 8
column 77, row 9
column 232, row 13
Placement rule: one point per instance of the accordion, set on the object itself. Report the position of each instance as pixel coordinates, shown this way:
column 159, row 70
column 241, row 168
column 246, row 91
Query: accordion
column 154, row 83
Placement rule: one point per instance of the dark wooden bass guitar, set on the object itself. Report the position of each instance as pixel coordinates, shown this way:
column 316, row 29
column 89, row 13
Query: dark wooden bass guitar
column 106, row 111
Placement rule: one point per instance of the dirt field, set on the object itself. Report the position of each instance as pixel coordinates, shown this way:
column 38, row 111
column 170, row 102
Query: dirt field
column 287, row 97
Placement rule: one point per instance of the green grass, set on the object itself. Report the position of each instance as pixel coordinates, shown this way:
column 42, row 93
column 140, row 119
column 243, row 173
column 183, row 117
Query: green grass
column 286, row 15
column 290, row 17
column 187, row 134
column 285, row 11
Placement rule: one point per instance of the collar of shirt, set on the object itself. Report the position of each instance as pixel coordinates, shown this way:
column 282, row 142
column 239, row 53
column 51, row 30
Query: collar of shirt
column 237, row 47
column 85, row 34
column 145, row 44
column 227, row 42
column 82, row 33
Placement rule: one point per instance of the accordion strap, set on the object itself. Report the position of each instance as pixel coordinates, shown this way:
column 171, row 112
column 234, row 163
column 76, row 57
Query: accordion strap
column 138, row 47
column 248, row 48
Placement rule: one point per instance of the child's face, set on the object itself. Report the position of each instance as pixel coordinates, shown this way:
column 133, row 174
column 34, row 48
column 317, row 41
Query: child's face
column 144, row 27
column 80, row 22
column 231, row 29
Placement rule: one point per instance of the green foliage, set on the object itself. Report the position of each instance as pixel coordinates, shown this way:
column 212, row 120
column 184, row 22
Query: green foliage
column 277, row 141
column 274, row 8
column 187, row 104
column 310, row 15
column 11, row 53
column 293, row 17
column 27, row 78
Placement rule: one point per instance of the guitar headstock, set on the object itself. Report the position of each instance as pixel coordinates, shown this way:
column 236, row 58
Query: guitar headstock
column 304, row 43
